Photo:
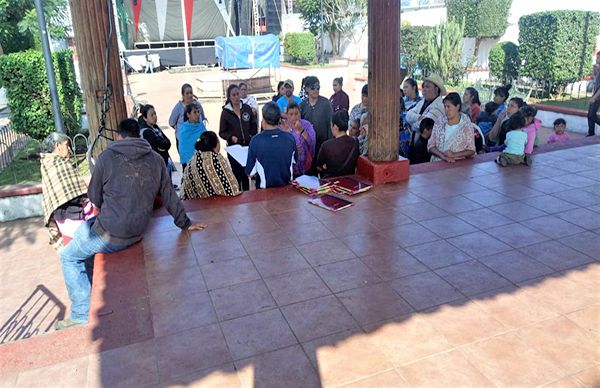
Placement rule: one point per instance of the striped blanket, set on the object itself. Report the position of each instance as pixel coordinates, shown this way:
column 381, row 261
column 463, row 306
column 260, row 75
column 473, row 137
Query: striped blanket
column 60, row 184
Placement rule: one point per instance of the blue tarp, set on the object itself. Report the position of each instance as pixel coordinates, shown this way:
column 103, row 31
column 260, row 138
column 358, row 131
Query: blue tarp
column 247, row 52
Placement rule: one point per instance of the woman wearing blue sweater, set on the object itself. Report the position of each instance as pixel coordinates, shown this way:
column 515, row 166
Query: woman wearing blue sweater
column 189, row 132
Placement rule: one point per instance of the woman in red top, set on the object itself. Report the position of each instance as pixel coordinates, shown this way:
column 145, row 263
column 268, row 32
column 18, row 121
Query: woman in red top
column 471, row 106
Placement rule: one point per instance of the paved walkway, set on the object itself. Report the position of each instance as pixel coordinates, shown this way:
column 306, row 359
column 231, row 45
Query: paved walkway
column 474, row 275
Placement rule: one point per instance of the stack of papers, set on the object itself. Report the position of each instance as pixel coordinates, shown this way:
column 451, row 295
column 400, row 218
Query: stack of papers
column 312, row 185
column 349, row 186
column 330, row 202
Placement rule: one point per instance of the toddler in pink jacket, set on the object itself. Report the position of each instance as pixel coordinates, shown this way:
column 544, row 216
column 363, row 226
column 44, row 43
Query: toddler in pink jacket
column 532, row 125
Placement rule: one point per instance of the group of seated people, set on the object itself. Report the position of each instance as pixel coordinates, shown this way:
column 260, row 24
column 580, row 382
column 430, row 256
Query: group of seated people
column 310, row 134
column 297, row 136
column 442, row 126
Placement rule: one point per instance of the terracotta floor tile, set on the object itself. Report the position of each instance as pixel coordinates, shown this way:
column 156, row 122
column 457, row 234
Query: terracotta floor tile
column 581, row 217
column 425, row 290
column 348, row 274
column 71, row 373
column 457, row 204
column 438, row 254
column 191, row 351
column 444, row 370
column 242, row 299
column 175, row 284
column 288, row 367
column 219, row 250
column 552, row 226
column 548, row 186
column 356, row 225
column 170, row 260
column 487, row 197
column 518, row 191
column 257, row 333
column 549, row 203
column 508, row 361
column 389, row 379
column 258, row 243
column 128, row 366
column 563, row 295
column 290, row 219
column 394, row 264
column 346, row 357
column 219, row 376
column 484, row 218
column 370, row 244
column 317, row 318
column 422, row 212
column 556, row 255
column 516, row 266
column 374, row 303
column 407, row 339
column 259, row 223
column 229, row 272
column 586, row 242
column 388, row 218
column 587, row 318
column 325, row 252
column 514, row 307
column 478, row 244
column 447, row 227
column 296, row 287
column 567, row 344
column 279, row 262
column 517, row 211
column 516, row 235
column 589, row 377
column 215, row 231
column 411, row 234
column 575, row 180
column 308, row 233
column 8, row 381
column 472, row 278
column 177, row 314
column 452, row 319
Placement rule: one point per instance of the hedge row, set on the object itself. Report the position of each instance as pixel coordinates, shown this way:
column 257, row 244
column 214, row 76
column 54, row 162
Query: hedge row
column 557, row 46
column 300, row 46
column 24, row 76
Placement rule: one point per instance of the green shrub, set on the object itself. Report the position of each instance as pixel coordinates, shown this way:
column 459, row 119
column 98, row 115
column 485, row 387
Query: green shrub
column 481, row 18
column 443, row 51
column 504, row 61
column 24, row 76
column 413, row 40
column 300, row 46
column 557, row 46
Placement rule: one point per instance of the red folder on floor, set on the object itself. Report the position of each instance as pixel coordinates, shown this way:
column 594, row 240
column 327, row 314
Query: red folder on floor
column 349, row 186
column 330, row 202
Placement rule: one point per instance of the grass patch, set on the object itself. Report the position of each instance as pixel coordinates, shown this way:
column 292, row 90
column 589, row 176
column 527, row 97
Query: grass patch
column 575, row 103
column 25, row 167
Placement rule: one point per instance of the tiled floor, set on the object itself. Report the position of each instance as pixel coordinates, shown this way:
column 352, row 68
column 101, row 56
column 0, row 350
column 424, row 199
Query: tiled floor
column 470, row 276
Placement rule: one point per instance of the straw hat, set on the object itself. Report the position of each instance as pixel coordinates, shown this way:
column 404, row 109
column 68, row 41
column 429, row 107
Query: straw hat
column 437, row 81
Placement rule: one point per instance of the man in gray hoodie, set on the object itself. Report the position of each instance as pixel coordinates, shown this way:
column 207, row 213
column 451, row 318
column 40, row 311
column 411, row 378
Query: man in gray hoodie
column 127, row 178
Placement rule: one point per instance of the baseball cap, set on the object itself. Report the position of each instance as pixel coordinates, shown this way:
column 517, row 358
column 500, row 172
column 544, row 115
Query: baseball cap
column 288, row 82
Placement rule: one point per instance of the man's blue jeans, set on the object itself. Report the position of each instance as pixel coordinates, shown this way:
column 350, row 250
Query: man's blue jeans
column 77, row 260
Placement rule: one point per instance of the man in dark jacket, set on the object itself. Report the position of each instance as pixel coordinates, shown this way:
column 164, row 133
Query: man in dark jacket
column 317, row 109
column 126, row 180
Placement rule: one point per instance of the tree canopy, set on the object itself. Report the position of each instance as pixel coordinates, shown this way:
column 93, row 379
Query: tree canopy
column 19, row 29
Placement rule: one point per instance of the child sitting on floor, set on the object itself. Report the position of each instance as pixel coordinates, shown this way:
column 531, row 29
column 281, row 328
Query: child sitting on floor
column 560, row 134
column 487, row 118
column 532, row 125
column 516, row 140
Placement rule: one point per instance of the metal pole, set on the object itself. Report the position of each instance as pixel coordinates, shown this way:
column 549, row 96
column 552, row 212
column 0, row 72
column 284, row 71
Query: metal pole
column 58, row 120
column 185, row 37
column 322, row 36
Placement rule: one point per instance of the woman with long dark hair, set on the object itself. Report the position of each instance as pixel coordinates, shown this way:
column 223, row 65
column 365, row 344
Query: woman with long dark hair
column 237, row 126
column 150, row 131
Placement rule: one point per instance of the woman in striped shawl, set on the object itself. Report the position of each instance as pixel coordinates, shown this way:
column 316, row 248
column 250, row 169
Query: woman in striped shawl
column 208, row 174
column 64, row 194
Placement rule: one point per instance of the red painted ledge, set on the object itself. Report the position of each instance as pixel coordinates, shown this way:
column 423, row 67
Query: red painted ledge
column 383, row 172
column 20, row 189
column 561, row 109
